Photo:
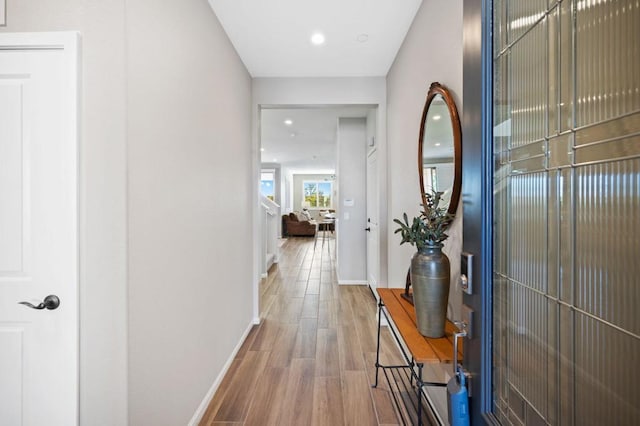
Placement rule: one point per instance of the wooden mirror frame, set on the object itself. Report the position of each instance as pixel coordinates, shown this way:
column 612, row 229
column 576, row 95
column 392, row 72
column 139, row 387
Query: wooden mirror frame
column 439, row 89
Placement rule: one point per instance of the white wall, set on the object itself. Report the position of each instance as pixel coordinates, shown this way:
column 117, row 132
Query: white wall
column 352, row 186
column 163, row 78
column 190, row 210
column 103, row 332
column 431, row 51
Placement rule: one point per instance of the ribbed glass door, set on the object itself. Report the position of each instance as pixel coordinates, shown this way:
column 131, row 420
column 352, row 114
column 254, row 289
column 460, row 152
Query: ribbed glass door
column 566, row 208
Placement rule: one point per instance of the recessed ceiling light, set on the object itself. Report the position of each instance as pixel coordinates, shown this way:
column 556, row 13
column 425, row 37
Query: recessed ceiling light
column 362, row 38
column 288, row 122
column 317, row 39
column 437, row 117
column 437, row 144
column 261, row 149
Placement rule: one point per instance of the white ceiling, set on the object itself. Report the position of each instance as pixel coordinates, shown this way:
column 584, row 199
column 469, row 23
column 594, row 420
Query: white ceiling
column 307, row 145
column 273, row 36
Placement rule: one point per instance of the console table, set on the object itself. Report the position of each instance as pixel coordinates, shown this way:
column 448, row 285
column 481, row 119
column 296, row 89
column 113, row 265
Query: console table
column 406, row 381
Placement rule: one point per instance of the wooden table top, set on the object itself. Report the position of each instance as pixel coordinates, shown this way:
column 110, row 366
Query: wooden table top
column 425, row 350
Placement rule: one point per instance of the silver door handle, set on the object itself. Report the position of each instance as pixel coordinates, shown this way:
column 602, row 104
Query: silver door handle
column 462, row 332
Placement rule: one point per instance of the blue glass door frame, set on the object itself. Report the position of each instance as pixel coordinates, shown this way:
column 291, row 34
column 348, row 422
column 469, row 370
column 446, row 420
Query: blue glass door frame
column 477, row 183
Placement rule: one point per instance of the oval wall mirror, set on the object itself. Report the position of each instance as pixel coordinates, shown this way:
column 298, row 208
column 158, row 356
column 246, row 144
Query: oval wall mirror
column 440, row 147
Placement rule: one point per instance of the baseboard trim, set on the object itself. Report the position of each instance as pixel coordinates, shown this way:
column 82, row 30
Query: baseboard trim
column 352, row 282
column 197, row 416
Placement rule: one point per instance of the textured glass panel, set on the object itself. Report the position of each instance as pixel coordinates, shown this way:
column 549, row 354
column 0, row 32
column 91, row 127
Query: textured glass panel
column 516, row 405
column 527, row 151
column 502, row 107
column 607, row 393
column 566, row 67
column 626, row 125
column 500, row 232
column 619, row 148
column 608, row 59
column 568, row 227
column 552, row 361
column 500, row 354
column 553, row 218
column 607, row 226
column 523, row 15
column 566, row 235
column 567, row 367
column 554, row 74
column 530, row 165
column 529, row 87
column 528, row 242
column 527, row 345
column 561, row 151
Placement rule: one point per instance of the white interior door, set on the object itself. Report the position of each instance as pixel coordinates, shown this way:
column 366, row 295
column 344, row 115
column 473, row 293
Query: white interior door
column 373, row 246
column 38, row 229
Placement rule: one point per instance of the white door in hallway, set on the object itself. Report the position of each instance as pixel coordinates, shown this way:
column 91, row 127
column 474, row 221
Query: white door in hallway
column 373, row 258
column 38, row 229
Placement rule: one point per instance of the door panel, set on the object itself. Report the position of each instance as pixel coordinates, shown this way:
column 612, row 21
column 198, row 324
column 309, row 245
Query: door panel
column 566, row 181
column 38, row 225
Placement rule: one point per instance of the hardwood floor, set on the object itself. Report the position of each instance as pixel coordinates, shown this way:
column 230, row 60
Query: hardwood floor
column 311, row 360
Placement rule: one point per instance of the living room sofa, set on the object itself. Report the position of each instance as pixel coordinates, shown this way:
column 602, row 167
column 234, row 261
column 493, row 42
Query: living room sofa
column 293, row 227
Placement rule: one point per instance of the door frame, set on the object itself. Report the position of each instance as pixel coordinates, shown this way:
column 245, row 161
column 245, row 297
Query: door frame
column 69, row 43
column 376, row 207
column 477, row 183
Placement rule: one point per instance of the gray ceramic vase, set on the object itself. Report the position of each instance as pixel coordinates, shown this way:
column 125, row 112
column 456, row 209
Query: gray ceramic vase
column 430, row 276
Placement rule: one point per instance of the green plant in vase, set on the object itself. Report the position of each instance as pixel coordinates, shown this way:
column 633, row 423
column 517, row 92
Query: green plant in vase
column 430, row 268
column 430, row 227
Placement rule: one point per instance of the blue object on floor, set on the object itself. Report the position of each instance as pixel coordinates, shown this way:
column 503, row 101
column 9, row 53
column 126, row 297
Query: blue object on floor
column 458, row 400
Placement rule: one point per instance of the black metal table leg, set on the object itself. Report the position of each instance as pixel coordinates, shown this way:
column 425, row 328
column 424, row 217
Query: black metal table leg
column 380, row 305
column 419, row 384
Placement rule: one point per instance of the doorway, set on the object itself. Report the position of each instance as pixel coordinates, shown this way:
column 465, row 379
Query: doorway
column 301, row 142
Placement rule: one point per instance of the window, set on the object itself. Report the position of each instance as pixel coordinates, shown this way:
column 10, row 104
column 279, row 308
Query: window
column 318, row 194
column 267, row 185
column 430, row 177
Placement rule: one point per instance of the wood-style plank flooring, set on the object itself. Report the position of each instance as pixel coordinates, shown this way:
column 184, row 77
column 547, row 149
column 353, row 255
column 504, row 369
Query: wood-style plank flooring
column 311, row 360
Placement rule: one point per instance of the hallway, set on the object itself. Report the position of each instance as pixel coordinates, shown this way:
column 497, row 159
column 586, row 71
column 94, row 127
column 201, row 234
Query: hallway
column 311, row 360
